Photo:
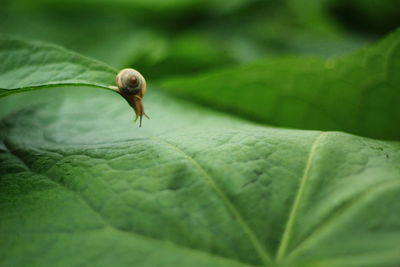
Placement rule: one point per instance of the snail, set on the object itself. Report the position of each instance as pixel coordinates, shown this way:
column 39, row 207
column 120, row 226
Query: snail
column 132, row 86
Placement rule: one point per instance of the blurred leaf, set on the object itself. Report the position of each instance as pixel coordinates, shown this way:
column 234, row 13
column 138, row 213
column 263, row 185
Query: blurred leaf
column 32, row 65
column 115, row 40
column 162, row 46
column 272, row 32
column 314, row 14
column 358, row 93
column 188, row 53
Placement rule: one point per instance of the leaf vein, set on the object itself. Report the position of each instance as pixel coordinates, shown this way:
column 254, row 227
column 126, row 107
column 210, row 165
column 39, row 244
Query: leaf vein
column 283, row 246
column 341, row 211
column 261, row 251
column 105, row 221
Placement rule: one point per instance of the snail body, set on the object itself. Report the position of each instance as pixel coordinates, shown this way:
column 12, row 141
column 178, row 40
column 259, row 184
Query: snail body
column 132, row 86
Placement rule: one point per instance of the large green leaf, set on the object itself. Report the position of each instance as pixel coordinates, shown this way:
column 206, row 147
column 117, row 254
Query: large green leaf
column 80, row 184
column 358, row 93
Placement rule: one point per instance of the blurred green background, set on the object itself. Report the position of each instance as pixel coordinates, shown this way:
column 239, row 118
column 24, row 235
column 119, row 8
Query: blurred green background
column 169, row 38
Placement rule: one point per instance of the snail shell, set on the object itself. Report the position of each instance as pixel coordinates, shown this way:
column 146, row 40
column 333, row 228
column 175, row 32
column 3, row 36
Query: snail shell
column 131, row 82
column 132, row 86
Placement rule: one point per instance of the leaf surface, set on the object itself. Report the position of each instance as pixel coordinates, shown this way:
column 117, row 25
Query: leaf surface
column 192, row 186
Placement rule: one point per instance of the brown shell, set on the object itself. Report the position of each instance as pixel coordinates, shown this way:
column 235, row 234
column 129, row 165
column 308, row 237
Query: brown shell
column 131, row 82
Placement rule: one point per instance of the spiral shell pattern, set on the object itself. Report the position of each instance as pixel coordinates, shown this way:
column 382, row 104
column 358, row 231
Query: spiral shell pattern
column 131, row 82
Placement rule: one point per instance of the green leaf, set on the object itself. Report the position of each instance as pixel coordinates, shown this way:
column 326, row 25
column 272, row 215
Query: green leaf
column 82, row 185
column 358, row 93
column 32, row 65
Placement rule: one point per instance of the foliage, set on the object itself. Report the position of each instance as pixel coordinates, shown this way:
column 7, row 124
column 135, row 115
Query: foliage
column 209, row 180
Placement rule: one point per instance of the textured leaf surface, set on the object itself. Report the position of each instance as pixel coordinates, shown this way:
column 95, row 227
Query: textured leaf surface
column 28, row 65
column 358, row 93
column 81, row 184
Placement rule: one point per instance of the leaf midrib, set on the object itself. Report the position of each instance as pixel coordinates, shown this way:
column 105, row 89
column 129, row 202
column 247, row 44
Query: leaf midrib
column 259, row 248
column 7, row 92
column 287, row 235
